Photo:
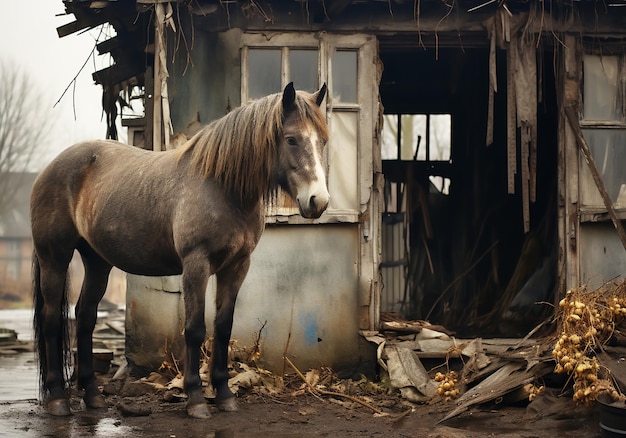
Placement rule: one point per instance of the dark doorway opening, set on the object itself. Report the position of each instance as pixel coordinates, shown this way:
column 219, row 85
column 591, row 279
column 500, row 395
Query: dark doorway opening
column 454, row 247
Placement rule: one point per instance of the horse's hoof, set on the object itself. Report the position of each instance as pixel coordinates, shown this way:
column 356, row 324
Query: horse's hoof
column 95, row 402
column 58, row 407
column 227, row 405
column 198, row 410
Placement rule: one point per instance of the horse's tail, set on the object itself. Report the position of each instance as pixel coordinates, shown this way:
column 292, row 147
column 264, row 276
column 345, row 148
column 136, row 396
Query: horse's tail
column 39, row 341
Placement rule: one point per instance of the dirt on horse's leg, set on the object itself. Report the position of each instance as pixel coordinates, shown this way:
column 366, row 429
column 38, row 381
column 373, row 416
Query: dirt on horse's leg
column 196, row 272
column 92, row 291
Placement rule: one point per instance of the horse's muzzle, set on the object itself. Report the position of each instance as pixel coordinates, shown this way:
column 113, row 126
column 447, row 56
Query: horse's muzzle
column 314, row 206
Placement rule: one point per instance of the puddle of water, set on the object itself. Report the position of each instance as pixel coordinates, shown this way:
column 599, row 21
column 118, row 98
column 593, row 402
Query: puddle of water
column 20, row 320
column 19, row 379
column 85, row 425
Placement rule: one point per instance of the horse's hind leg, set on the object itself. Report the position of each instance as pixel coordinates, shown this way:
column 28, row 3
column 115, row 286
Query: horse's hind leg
column 54, row 337
column 51, row 330
column 94, row 285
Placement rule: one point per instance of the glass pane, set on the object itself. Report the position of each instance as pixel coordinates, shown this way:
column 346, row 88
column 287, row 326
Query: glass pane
column 603, row 85
column 440, row 129
column 608, row 148
column 303, row 69
column 413, row 137
column 342, row 161
column 604, row 254
column 344, row 65
column 441, row 184
column 263, row 72
column 389, row 147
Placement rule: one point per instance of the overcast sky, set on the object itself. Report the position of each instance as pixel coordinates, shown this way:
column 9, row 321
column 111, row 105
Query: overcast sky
column 30, row 40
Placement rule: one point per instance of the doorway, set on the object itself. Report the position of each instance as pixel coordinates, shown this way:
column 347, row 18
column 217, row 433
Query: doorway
column 455, row 251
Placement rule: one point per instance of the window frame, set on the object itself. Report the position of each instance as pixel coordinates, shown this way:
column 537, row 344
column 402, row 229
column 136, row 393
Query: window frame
column 325, row 44
column 592, row 207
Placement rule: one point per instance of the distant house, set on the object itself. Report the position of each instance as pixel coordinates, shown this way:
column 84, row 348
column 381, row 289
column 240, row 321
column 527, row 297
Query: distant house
column 15, row 241
column 16, row 247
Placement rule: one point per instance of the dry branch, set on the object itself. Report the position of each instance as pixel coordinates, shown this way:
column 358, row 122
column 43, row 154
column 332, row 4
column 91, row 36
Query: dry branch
column 316, row 391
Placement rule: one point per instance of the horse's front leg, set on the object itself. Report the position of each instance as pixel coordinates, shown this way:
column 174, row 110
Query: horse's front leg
column 196, row 272
column 229, row 281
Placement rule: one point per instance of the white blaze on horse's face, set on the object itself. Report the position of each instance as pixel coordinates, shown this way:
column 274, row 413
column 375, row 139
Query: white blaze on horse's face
column 304, row 176
column 311, row 192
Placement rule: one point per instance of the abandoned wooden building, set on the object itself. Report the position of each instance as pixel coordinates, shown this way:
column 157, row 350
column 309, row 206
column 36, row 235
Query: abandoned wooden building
column 476, row 160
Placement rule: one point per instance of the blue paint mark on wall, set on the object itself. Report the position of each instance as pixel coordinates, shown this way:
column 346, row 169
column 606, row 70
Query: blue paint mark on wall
column 309, row 326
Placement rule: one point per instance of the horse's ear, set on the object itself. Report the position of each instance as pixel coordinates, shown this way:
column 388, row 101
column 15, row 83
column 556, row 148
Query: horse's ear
column 320, row 94
column 289, row 96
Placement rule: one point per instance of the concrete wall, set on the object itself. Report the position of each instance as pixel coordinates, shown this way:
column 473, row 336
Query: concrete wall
column 303, row 281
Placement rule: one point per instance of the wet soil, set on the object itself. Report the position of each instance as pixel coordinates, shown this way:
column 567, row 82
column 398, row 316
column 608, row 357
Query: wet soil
column 142, row 411
column 149, row 413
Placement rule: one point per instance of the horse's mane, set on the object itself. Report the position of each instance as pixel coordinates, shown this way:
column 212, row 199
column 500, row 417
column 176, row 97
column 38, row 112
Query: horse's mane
column 240, row 149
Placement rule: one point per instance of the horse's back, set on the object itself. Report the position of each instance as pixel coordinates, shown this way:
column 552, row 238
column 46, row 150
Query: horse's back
column 115, row 198
column 68, row 169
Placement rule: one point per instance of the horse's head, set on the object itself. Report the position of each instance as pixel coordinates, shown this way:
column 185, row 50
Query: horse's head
column 300, row 150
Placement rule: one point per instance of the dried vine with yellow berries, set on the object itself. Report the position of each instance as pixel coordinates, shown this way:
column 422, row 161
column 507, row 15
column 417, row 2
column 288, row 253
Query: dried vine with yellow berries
column 587, row 320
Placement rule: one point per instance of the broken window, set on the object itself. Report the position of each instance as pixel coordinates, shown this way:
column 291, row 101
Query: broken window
column 419, row 137
column 604, row 127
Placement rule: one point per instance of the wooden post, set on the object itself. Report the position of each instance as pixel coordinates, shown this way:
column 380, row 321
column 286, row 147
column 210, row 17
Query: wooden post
column 157, row 120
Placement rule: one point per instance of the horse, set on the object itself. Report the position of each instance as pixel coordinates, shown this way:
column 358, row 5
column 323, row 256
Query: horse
column 198, row 210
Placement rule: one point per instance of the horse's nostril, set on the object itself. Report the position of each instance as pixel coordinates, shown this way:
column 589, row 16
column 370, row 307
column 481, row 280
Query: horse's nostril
column 312, row 201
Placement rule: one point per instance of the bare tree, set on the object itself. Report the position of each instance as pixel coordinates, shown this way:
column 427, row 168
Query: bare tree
column 24, row 123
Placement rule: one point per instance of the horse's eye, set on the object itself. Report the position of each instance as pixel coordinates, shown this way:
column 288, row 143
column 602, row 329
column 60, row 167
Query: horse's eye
column 291, row 141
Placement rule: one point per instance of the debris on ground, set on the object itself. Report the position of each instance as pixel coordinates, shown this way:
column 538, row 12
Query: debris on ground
column 421, row 364
column 588, row 350
column 10, row 344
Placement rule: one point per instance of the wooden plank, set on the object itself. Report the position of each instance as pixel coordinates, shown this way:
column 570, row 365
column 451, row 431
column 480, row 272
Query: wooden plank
column 493, row 82
column 511, row 113
column 525, row 156
column 118, row 73
column 506, row 379
column 109, row 45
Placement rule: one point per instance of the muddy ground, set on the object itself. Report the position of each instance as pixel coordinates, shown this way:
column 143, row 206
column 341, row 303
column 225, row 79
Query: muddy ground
column 141, row 411
column 361, row 408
